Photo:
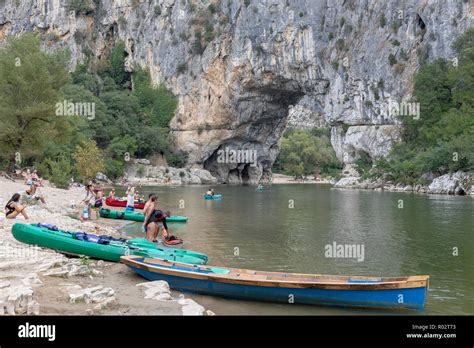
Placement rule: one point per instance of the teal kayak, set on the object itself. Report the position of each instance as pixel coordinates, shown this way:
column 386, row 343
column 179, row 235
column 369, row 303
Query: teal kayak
column 99, row 247
column 217, row 196
column 129, row 215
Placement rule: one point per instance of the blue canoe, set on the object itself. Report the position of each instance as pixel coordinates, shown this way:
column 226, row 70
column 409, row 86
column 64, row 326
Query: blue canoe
column 369, row 292
column 218, row 196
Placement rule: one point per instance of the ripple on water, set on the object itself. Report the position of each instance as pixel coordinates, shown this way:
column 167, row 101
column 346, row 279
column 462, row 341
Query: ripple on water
column 269, row 235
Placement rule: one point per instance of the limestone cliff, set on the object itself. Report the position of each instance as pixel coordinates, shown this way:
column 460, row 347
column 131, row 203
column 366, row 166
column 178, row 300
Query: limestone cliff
column 243, row 70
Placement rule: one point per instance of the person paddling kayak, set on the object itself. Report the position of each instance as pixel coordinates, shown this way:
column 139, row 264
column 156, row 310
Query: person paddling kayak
column 148, row 209
column 210, row 192
column 157, row 220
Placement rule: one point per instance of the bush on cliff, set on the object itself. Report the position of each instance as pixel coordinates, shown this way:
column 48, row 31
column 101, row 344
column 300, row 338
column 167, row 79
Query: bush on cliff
column 440, row 141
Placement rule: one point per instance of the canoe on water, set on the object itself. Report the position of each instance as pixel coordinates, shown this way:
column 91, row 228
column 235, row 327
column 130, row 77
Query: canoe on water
column 217, row 196
column 315, row 289
column 128, row 215
column 111, row 202
column 75, row 243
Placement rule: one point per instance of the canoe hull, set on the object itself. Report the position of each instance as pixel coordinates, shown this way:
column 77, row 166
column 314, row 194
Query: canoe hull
column 387, row 299
column 110, row 252
column 116, row 203
column 393, row 293
column 65, row 244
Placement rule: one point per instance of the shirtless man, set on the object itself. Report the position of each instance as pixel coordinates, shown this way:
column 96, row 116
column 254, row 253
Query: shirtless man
column 149, row 208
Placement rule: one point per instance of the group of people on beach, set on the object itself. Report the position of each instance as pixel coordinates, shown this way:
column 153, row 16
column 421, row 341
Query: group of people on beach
column 154, row 218
column 17, row 203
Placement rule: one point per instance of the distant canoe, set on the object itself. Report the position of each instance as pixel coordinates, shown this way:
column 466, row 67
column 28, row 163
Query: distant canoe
column 331, row 290
column 111, row 202
column 140, row 217
column 217, row 196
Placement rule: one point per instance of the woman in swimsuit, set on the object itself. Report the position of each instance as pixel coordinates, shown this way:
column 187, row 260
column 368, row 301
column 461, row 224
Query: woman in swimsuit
column 152, row 226
column 14, row 208
column 87, row 201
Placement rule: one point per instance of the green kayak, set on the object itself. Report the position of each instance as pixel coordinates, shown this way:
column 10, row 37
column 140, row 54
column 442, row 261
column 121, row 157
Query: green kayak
column 68, row 242
column 128, row 215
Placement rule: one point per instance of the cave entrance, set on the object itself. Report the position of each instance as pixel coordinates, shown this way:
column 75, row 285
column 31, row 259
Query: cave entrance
column 261, row 120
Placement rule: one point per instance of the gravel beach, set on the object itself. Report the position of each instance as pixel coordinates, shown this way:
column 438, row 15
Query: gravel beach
column 36, row 280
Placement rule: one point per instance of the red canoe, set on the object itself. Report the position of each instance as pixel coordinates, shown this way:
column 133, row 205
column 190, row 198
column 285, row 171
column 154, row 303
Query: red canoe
column 116, row 203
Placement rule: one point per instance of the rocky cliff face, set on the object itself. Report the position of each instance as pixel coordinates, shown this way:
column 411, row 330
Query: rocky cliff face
column 262, row 64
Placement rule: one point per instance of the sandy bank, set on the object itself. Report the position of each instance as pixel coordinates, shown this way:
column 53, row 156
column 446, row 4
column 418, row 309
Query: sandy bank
column 287, row 179
column 36, row 280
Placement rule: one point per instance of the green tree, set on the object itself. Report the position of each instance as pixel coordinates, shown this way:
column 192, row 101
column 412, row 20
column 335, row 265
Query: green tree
column 60, row 170
column 119, row 150
column 158, row 103
column 305, row 152
column 95, row 127
column 117, row 64
column 30, row 81
column 89, row 160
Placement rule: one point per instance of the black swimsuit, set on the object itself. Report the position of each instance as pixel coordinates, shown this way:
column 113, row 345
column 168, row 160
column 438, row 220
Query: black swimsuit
column 152, row 219
column 9, row 208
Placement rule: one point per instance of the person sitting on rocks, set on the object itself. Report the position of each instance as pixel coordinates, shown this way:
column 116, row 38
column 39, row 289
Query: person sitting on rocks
column 33, row 193
column 13, row 208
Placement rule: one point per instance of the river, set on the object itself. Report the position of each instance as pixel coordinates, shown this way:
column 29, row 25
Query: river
column 287, row 227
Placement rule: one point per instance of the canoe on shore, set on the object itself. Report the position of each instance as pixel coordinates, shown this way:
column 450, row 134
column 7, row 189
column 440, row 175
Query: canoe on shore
column 331, row 290
column 128, row 215
column 217, row 196
column 105, row 248
column 122, row 203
